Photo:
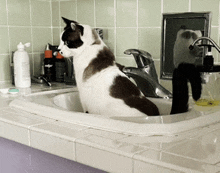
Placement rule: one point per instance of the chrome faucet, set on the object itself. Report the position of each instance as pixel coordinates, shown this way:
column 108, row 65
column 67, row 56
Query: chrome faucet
column 207, row 39
column 145, row 74
column 208, row 60
column 40, row 79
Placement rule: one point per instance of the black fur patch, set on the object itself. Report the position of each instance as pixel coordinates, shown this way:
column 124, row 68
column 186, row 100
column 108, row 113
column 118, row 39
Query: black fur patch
column 181, row 75
column 68, row 24
column 72, row 38
column 104, row 59
column 120, row 66
column 188, row 35
column 124, row 89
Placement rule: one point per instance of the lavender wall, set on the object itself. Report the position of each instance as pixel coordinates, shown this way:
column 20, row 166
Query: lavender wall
column 18, row 158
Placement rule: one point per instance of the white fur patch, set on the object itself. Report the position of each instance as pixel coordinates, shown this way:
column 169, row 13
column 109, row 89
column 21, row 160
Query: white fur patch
column 181, row 51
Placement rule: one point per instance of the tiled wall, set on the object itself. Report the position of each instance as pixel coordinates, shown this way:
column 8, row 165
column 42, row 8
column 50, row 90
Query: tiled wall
column 126, row 24
column 25, row 21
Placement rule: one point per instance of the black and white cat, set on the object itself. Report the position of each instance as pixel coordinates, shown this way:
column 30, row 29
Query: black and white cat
column 104, row 89
column 181, row 52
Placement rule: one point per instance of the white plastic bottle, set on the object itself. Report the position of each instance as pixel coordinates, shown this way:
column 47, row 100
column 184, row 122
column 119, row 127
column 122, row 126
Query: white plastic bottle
column 22, row 67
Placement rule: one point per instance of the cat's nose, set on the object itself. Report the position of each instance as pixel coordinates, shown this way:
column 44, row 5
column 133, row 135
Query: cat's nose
column 57, row 50
column 59, row 47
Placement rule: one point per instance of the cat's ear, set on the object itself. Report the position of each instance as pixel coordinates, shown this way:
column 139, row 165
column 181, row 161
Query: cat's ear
column 73, row 24
column 68, row 22
column 76, row 26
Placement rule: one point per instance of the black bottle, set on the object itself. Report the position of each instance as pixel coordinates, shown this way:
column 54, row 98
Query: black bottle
column 49, row 67
column 60, row 68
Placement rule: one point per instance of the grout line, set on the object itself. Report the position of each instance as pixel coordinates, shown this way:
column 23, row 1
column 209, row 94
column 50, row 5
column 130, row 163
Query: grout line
column 94, row 13
column 13, row 26
column 51, row 21
column 115, row 25
column 9, row 42
column 213, row 26
column 190, row 6
column 31, row 26
column 29, row 137
column 59, row 13
column 5, row 54
column 7, row 13
column 74, row 149
column 60, row 16
column 32, row 46
column 30, row 130
column 137, row 23
column 218, row 58
column 25, row 26
column 137, row 16
column 76, row 10
column 29, row 53
column 162, row 7
column 151, row 27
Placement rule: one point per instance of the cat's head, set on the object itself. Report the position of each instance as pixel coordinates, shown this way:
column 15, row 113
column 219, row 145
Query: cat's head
column 190, row 36
column 75, row 38
column 184, row 38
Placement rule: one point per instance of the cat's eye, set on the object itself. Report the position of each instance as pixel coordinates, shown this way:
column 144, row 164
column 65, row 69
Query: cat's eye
column 73, row 44
column 69, row 44
column 66, row 43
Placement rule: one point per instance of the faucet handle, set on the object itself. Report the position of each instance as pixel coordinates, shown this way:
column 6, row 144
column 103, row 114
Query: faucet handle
column 141, row 57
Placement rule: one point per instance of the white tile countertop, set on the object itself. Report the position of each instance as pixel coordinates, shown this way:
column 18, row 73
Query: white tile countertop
column 197, row 150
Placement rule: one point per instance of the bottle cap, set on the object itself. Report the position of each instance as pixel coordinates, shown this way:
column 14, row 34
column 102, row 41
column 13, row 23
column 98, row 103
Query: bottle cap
column 59, row 56
column 21, row 46
column 48, row 54
column 47, row 47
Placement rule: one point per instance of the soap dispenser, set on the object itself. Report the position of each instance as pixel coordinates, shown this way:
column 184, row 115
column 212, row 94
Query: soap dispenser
column 22, row 66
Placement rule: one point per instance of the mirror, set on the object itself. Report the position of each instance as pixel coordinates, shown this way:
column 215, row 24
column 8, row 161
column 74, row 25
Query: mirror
column 179, row 30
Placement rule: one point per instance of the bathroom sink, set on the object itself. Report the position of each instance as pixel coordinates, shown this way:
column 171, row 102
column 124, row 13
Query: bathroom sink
column 71, row 102
column 65, row 106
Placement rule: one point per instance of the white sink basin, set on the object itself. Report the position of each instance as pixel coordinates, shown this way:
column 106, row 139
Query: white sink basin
column 71, row 102
column 66, row 107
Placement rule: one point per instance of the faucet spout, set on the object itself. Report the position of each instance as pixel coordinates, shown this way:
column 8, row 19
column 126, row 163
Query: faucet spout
column 148, row 86
column 142, row 57
column 191, row 47
column 145, row 74
column 208, row 61
column 144, row 61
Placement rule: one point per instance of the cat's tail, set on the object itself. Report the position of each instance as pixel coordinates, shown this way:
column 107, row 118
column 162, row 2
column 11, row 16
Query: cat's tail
column 182, row 74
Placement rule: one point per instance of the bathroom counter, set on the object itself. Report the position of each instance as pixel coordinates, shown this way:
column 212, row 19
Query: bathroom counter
column 196, row 150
